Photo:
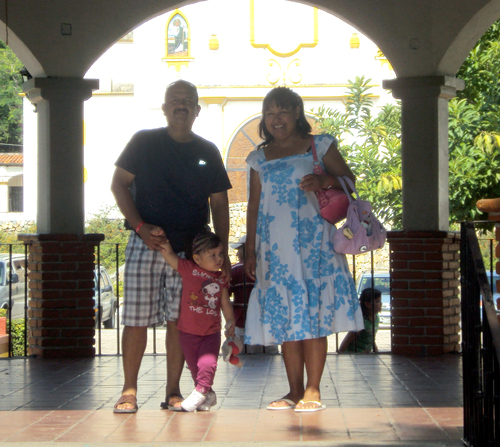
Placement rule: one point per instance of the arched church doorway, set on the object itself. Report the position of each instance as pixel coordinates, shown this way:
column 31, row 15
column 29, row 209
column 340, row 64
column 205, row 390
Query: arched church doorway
column 246, row 139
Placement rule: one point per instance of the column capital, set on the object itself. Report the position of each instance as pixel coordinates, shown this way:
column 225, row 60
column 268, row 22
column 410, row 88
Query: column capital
column 38, row 89
column 434, row 86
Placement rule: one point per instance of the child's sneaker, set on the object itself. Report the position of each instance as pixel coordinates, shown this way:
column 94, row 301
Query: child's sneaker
column 194, row 400
column 210, row 401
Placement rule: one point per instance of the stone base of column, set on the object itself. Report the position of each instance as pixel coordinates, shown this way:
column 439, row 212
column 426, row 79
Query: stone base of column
column 425, row 292
column 61, row 282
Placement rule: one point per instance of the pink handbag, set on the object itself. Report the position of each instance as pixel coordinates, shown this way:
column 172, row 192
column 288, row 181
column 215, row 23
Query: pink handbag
column 333, row 203
column 362, row 231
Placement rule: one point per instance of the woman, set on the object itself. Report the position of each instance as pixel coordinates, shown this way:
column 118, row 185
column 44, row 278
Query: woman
column 303, row 291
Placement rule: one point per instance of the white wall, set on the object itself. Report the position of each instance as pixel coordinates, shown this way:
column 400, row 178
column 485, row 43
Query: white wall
column 236, row 71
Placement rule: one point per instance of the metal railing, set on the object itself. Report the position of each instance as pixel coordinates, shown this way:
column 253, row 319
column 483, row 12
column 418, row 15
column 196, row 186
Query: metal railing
column 480, row 346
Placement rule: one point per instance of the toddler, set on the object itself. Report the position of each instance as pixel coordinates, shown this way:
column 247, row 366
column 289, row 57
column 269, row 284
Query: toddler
column 204, row 294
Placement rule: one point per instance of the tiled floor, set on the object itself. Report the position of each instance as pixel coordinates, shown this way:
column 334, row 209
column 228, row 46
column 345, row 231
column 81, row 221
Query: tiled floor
column 371, row 400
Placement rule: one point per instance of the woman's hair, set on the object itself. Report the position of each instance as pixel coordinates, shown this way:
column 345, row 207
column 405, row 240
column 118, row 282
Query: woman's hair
column 284, row 98
column 366, row 297
column 203, row 242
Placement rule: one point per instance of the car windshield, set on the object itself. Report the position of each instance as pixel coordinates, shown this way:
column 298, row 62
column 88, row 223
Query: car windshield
column 381, row 283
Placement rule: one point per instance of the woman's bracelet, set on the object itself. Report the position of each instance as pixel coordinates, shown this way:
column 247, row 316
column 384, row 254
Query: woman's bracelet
column 139, row 227
column 330, row 183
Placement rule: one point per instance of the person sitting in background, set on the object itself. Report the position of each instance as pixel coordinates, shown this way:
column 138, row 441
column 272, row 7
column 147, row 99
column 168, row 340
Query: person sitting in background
column 240, row 289
column 364, row 341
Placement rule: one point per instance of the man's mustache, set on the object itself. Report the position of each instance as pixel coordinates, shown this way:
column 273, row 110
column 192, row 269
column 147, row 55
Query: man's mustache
column 181, row 110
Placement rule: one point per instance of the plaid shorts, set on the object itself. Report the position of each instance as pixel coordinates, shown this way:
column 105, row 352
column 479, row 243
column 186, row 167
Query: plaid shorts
column 152, row 289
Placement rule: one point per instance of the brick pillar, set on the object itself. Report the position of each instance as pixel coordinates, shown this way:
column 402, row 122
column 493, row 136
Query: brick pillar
column 425, row 292
column 61, row 281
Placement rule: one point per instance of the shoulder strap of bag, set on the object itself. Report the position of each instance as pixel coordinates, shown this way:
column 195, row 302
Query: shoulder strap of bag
column 343, row 181
column 313, row 149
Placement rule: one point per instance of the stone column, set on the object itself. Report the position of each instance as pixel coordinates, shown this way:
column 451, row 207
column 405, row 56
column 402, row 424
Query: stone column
column 61, row 296
column 59, row 105
column 424, row 130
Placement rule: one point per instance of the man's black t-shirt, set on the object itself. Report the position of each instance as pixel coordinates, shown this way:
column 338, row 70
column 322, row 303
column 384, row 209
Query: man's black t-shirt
column 173, row 181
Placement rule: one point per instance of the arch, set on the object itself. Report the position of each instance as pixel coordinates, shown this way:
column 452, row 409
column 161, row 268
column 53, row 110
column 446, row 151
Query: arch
column 21, row 51
column 467, row 38
column 441, row 32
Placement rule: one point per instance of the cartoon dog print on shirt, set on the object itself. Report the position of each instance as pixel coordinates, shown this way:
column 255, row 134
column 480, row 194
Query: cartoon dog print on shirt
column 210, row 290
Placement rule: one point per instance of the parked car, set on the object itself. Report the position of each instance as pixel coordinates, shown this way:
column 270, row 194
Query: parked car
column 17, row 283
column 382, row 283
column 106, row 312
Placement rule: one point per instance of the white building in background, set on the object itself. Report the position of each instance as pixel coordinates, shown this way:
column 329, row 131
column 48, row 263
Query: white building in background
column 234, row 51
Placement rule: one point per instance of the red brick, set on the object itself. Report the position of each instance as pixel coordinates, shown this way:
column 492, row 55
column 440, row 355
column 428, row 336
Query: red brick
column 77, row 313
column 428, row 285
column 399, row 321
column 56, row 342
column 400, row 340
column 406, row 256
column 411, row 331
column 429, row 265
column 440, row 293
column 78, row 333
column 407, row 274
column 399, row 246
column 407, row 294
column 399, row 265
column 79, row 257
column 426, row 247
column 437, row 330
column 82, row 342
column 425, row 340
column 428, row 322
column 399, row 285
column 407, row 312
column 59, row 285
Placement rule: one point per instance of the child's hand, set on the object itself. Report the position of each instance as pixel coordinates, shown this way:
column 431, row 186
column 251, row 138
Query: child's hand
column 230, row 328
column 157, row 231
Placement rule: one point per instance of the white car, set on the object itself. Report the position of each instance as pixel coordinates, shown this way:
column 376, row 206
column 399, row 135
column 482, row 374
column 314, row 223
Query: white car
column 382, row 283
column 106, row 313
column 17, row 284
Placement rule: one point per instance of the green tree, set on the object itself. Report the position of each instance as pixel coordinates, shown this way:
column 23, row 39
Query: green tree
column 371, row 145
column 105, row 222
column 11, row 103
column 475, row 130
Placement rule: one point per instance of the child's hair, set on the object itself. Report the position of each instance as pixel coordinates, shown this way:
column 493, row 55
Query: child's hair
column 366, row 297
column 205, row 241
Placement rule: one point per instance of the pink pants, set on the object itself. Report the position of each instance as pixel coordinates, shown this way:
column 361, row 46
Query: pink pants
column 201, row 353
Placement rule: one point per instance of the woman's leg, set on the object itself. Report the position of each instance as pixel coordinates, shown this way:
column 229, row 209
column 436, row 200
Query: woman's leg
column 315, row 358
column 293, row 356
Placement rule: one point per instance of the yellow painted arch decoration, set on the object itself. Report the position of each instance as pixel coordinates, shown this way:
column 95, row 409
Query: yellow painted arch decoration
column 268, row 47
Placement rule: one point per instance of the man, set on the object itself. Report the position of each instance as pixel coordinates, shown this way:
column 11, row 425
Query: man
column 178, row 179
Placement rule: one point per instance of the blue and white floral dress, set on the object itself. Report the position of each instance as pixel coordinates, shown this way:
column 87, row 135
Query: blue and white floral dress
column 304, row 289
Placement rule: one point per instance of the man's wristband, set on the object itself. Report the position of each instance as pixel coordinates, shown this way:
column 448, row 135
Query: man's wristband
column 139, row 227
